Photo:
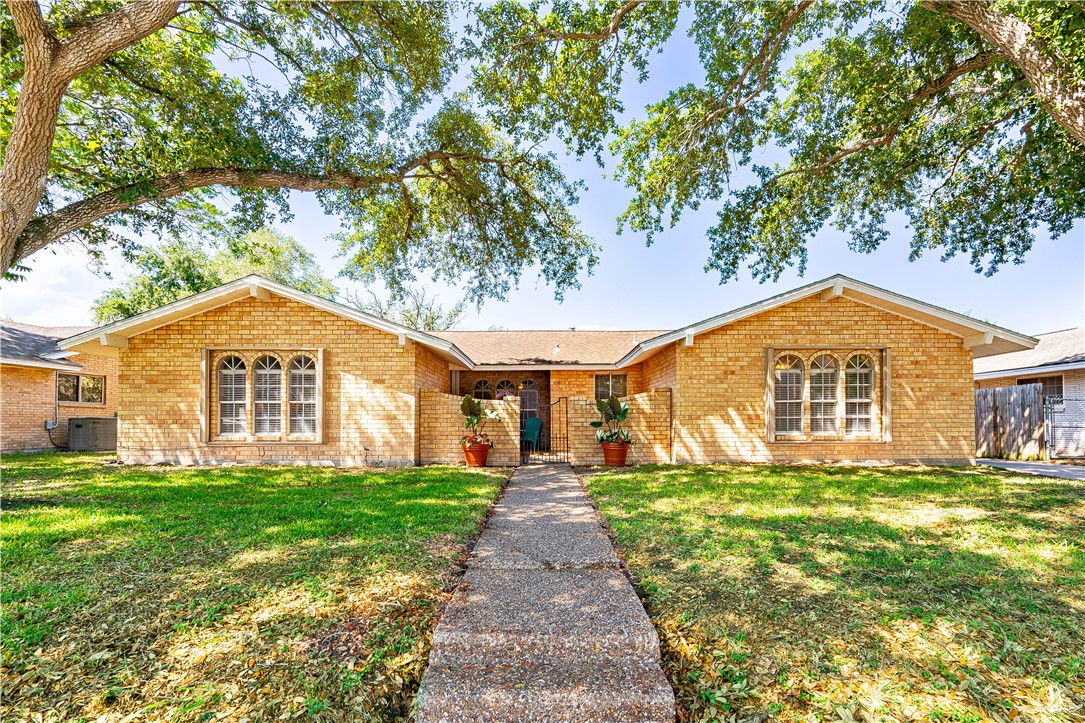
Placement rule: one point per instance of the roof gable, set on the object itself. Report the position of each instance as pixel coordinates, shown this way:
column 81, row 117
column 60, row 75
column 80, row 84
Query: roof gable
column 110, row 338
column 984, row 339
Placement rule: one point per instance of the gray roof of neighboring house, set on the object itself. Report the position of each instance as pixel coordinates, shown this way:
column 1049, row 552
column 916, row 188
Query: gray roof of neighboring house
column 29, row 342
column 1056, row 348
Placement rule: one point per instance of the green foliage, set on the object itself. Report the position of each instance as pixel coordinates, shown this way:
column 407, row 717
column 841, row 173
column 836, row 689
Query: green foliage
column 414, row 308
column 608, row 429
column 476, row 419
column 181, row 268
column 354, row 90
column 880, row 111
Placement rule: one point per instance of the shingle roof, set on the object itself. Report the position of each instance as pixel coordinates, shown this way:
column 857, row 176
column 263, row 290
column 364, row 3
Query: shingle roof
column 1056, row 347
column 546, row 347
column 29, row 342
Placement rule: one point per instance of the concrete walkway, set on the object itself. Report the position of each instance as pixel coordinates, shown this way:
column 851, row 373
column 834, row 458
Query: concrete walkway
column 545, row 626
column 1046, row 469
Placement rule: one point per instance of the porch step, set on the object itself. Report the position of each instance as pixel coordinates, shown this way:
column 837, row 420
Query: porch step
column 581, row 693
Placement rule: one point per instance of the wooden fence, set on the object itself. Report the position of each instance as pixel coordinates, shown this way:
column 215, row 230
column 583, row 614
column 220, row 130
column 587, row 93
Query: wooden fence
column 1010, row 422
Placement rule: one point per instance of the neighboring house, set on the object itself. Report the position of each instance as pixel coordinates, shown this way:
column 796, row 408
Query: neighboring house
column 41, row 383
column 253, row 371
column 1058, row 363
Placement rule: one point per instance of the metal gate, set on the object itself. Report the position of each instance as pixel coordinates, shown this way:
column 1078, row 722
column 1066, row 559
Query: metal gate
column 1065, row 427
column 553, row 444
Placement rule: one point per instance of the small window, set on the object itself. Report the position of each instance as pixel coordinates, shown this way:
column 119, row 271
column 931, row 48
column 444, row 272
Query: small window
column 232, row 395
column 858, row 395
column 483, row 390
column 303, row 396
column 505, row 388
column 823, row 382
column 610, row 385
column 267, row 387
column 1052, row 387
column 788, row 395
column 80, row 388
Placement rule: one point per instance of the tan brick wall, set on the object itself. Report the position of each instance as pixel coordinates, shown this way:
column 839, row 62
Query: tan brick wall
column 649, row 422
column 719, row 402
column 442, row 427
column 28, row 399
column 430, row 372
column 370, row 387
column 97, row 366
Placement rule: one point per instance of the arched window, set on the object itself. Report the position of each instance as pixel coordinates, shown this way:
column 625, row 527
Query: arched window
column 505, row 388
column 788, row 395
column 858, row 395
column 823, row 384
column 232, row 397
column 267, row 395
column 301, row 383
column 483, row 390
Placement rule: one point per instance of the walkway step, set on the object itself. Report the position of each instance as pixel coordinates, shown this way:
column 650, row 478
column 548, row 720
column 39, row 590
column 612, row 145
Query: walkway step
column 545, row 616
column 515, row 550
column 560, row 693
column 544, row 625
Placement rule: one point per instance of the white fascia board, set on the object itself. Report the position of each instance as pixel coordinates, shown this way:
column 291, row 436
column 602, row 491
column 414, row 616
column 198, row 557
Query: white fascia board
column 41, row 364
column 1031, row 371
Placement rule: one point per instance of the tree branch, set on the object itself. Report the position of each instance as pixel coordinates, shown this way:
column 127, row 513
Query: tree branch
column 1052, row 81
column 92, row 43
column 553, row 36
column 44, row 230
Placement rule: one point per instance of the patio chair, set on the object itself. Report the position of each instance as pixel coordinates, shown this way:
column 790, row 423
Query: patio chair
column 530, row 435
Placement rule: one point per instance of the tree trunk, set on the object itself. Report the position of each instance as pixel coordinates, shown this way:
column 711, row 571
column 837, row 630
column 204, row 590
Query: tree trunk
column 50, row 64
column 1062, row 94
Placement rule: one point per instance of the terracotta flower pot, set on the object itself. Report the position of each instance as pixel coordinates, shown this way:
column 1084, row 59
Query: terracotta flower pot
column 614, row 453
column 475, row 454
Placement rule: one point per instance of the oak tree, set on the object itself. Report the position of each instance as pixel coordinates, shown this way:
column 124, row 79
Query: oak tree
column 968, row 117
column 167, row 117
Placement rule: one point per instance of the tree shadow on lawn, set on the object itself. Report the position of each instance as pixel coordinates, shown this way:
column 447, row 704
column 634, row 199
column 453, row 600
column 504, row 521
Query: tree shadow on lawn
column 973, row 607
column 185, row 592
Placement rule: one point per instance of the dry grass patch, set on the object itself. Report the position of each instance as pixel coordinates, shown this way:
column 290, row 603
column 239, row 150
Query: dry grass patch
column 139, row 593
column 856, row 594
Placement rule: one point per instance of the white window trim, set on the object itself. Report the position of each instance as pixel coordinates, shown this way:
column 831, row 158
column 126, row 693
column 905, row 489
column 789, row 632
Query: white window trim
column 881, row 395
column 209, row 414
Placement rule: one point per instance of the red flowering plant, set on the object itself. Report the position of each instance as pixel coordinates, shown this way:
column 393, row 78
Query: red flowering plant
column 477, row 417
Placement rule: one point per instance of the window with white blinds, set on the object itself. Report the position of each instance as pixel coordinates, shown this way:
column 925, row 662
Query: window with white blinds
column 232, row 397
column 303, row 395
column 267, row 393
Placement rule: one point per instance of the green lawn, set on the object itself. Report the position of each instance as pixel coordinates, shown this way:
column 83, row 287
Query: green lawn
column 862, row 594
column 191, row 593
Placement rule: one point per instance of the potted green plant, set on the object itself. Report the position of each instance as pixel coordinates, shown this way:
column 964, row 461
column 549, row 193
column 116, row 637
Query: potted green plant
column 476, row 443
column 614, row 438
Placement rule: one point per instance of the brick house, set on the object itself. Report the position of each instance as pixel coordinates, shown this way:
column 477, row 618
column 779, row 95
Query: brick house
column 254, row 371
column 40, row 383
column 1058, row 363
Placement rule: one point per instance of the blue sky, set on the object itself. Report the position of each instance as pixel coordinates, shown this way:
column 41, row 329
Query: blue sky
column 659, row 287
